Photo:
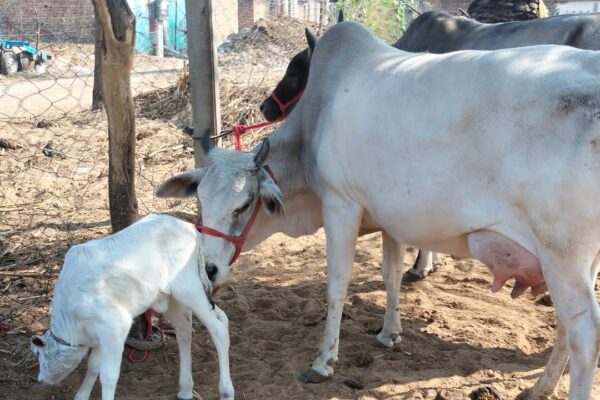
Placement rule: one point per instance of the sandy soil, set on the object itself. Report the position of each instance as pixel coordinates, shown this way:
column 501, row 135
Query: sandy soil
column 458, row 336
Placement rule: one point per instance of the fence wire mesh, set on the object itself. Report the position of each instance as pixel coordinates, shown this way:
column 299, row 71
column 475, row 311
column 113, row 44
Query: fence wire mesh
column 54, row 150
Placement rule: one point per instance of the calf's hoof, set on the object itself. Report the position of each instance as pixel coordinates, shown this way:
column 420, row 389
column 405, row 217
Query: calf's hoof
column 312, row 376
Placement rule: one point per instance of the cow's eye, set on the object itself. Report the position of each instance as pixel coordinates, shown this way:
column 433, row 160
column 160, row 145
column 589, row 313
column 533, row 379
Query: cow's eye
column 291, row 74
column 241, row 209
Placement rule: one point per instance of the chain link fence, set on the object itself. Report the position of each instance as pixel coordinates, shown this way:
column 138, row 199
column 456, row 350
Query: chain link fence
column 54, row 150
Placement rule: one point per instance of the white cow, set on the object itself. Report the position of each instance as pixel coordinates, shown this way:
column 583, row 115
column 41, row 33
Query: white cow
column 155, row 263
column 512, row 178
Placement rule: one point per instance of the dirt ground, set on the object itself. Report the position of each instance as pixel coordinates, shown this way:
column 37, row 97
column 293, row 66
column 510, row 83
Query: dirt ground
column 458, row 336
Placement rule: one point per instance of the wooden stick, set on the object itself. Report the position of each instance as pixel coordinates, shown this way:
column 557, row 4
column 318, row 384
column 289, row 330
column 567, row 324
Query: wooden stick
column 179, row 146
column 24, row 274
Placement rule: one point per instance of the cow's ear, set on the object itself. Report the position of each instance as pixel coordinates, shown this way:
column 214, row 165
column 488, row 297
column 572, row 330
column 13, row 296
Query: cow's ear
column 182, row 185
column 262, row 153
column 38, row 341
column 311, row 39
column 270, row 194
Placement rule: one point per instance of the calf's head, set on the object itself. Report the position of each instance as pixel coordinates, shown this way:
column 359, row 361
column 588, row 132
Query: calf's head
column 57, row 360
column 229, row 188
column 288, row 91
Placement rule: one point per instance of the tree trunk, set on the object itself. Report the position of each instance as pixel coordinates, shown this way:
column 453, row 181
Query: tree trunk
column 118, row 31
column 97, row 91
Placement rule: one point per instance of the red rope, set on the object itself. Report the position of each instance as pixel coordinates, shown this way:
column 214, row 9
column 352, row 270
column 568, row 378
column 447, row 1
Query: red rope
column 239, row 130
column 145, row 353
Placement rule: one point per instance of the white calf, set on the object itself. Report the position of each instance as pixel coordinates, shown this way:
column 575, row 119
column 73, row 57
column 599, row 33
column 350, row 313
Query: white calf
column 155, row 263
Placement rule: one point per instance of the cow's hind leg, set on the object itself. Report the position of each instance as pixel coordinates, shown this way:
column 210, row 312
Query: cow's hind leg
column 181, row 317
column 392, row 269
column 571, row 286
column 548, row 381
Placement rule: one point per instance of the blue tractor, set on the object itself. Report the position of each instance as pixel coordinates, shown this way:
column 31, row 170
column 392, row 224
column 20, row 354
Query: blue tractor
column 21, row 56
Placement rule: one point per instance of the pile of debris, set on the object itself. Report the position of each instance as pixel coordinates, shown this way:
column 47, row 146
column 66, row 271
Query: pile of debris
column 272, row 37
column 250, row 63
column 493, row 11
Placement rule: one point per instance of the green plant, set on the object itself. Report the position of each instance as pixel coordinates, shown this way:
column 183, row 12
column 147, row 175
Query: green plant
column 385, row 18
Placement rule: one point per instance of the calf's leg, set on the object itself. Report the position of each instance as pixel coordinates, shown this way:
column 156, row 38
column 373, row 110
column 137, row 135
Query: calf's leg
column 181, row 317
column 91, row 375
column 111, row 351
column 392, row 269
column 216, row 323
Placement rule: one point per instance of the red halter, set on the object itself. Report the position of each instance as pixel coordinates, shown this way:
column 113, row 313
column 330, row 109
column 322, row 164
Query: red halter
column 284, row 106
column 239, row 130
column 237, row 241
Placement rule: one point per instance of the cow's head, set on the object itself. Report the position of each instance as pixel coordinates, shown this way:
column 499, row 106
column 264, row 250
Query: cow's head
column 288, row 91
column 229, row 188
column 56, row 360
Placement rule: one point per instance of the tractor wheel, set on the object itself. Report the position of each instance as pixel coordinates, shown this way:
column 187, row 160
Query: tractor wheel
column 26, row 61
column 8, row 63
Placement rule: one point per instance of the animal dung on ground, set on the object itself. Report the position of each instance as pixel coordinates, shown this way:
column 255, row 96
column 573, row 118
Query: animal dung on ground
column 353, row 383
column 485, row 393
column 362, row 360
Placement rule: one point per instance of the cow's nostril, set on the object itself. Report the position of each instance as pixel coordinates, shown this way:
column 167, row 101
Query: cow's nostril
column 211, row 271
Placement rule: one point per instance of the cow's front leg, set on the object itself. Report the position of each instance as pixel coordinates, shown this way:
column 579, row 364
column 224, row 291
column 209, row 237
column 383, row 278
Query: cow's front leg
column 391, row 270
column 341, row 220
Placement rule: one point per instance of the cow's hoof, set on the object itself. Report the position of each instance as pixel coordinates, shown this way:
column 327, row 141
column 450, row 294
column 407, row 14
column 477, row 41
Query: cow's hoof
column 312, row 376
column 387, row 343
column 410, row 277
column 530, row 394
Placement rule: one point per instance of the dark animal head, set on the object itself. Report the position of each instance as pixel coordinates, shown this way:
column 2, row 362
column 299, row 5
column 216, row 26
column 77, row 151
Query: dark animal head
column 288, row 91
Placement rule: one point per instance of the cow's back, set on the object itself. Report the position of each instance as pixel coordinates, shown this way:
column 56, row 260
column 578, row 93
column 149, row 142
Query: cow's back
column 479, row 119
column 126, row 264
column 439, row 32
column 580, row 31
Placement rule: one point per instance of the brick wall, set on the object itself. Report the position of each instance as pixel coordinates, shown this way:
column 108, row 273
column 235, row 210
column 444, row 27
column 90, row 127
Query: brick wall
column 245, row 14
column 57, row 20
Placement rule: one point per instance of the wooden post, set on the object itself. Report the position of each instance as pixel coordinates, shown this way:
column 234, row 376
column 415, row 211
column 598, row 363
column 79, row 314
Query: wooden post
column 118, row 31
column 203, row 75
column 161, row 15
column 97, row 89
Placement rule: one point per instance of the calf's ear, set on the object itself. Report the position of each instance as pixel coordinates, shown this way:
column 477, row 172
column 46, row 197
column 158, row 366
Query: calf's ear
column 38, row 341
column 182, row 185
column 311, row 39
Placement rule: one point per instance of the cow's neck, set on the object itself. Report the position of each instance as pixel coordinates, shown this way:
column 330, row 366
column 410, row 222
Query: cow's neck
column 302, row 207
